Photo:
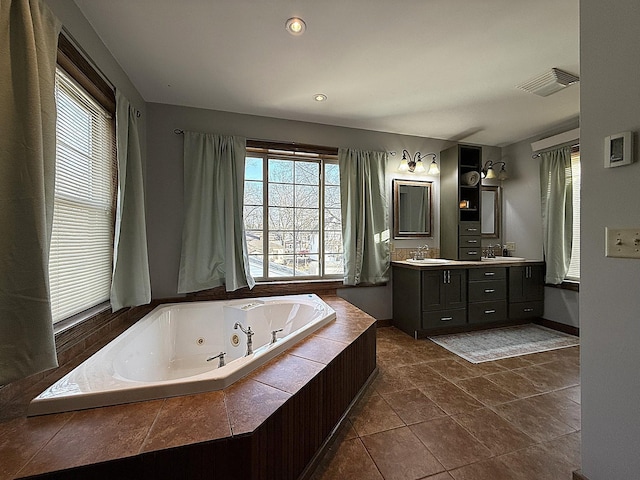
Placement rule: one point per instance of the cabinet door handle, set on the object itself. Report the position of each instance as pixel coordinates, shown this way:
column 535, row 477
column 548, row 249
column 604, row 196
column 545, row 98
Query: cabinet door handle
column 448, row 276
column 489, row 311
column 489, row 274
column 527, row 310
column 446, row 319
column 472, row 229
column 473, row 252
column 472, row 241
column 489, row 290
column 444, row 276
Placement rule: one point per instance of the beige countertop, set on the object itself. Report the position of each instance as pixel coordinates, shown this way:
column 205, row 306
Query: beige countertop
column 441, row 263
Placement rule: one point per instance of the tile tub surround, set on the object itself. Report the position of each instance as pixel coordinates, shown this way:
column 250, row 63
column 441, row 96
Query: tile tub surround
column 245, row 431
column 431, row 415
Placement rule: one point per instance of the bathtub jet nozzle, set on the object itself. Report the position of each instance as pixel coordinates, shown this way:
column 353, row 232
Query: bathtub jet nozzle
column 249, row 335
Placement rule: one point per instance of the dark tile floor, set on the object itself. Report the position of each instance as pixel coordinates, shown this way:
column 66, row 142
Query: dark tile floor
column 432, row 415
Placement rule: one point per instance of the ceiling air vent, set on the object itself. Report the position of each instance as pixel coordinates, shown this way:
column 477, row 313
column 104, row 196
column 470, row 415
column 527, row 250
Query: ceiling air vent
column 549, row 82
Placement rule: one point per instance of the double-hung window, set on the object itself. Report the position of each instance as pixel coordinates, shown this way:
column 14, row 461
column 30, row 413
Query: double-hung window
column 81, row 250
column 292, row 214
column 573, row 273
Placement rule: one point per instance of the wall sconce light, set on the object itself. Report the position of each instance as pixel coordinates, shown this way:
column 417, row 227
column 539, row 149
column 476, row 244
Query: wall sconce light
column 489, row 172
column 415, row 165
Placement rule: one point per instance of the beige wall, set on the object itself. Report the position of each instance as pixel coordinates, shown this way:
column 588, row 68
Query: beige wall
column 609, row 300
column 165, row 190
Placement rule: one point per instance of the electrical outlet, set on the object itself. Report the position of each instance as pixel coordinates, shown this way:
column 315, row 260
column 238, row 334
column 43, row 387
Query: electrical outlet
column 622, row 242
column 392, row 247
column 511, row 246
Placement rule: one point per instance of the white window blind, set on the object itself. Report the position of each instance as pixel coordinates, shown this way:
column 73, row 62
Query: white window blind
column 574, row 266
column 80, row 259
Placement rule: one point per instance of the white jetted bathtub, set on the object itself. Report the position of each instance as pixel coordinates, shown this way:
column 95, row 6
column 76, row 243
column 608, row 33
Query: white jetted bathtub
column 168, row 352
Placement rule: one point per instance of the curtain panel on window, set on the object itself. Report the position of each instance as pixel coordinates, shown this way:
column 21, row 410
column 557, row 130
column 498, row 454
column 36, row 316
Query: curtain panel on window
column 28, row 38
column 365, row 215
column 214, row 247
column 556, row 194
column 130, row 284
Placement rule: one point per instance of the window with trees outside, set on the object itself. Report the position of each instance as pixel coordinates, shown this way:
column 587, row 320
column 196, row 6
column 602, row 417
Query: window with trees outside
column 292, row 212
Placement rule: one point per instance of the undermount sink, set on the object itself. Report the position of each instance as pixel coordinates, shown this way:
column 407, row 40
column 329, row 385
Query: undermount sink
column 503, row 259
column 429, row 261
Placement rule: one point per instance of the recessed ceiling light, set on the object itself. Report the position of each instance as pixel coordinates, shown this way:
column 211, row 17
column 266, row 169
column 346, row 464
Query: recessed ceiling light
column 319, row 97
column 295, row 26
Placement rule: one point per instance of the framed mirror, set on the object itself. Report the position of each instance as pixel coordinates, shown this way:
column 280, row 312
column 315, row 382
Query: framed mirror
column 411, row 209
column 491, row 211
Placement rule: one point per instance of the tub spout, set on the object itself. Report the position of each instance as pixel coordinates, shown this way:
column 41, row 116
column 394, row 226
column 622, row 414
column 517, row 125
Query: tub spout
column 249, row 335
column 274, row 335
column 220, row 356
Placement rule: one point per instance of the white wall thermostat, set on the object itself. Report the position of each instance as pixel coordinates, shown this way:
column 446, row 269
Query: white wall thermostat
column 618, row 150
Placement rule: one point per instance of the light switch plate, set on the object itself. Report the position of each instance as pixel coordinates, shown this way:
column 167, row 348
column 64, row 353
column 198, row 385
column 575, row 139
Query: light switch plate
column 622, row 242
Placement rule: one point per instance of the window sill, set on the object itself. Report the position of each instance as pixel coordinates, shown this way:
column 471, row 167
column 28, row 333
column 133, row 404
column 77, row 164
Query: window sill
column 67, row 323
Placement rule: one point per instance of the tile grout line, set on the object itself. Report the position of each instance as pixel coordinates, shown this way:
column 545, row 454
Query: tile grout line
column 64, row 424
column 155, row 419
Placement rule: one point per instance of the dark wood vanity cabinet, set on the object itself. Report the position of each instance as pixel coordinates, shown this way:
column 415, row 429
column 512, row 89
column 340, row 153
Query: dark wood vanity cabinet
column 460, row 204
column 487, row 295
column 428, row 299
column 526, row 291
column 431, row 299
column 444, row 298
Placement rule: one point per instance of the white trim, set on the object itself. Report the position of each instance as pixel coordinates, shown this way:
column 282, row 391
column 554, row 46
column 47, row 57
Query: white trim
column 555, row 140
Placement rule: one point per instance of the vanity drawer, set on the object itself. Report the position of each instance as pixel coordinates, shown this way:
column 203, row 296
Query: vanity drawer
column 521, row 310
column 470, row 241
column 488, row 312
column 470, row 253
column 444, row 318
column 487, row 273
column 469, row 228
column 488, row 291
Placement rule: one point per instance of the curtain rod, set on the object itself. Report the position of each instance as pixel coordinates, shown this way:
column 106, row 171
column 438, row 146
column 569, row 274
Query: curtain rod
column 537, row 155
column 279, row 145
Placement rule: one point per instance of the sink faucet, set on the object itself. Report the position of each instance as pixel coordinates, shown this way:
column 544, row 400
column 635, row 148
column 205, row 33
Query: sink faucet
column 491, row 253
column 249, row 334
column 421, row 252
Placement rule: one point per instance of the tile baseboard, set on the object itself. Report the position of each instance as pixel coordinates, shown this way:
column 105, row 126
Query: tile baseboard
column 560, row 327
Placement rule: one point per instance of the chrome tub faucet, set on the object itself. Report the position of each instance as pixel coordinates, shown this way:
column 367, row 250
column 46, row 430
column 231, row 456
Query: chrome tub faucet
column 249, row 333
column 274, row 335
column 221, row 362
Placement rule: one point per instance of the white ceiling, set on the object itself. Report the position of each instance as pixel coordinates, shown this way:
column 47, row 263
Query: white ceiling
column 433, row 68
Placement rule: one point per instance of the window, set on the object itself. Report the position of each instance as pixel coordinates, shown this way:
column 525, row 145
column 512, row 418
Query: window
column 80, row 259
column 292, row 213
column 574, row 268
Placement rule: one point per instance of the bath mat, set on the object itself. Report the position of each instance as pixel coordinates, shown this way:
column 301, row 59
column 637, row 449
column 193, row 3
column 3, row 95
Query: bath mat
column 494, row 344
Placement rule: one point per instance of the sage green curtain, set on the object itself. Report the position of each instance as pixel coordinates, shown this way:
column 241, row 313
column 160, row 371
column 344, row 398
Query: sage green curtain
column 556, row 196
column 214, row 247
column 28, row 43
column 130, row 284
column 365, row 216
